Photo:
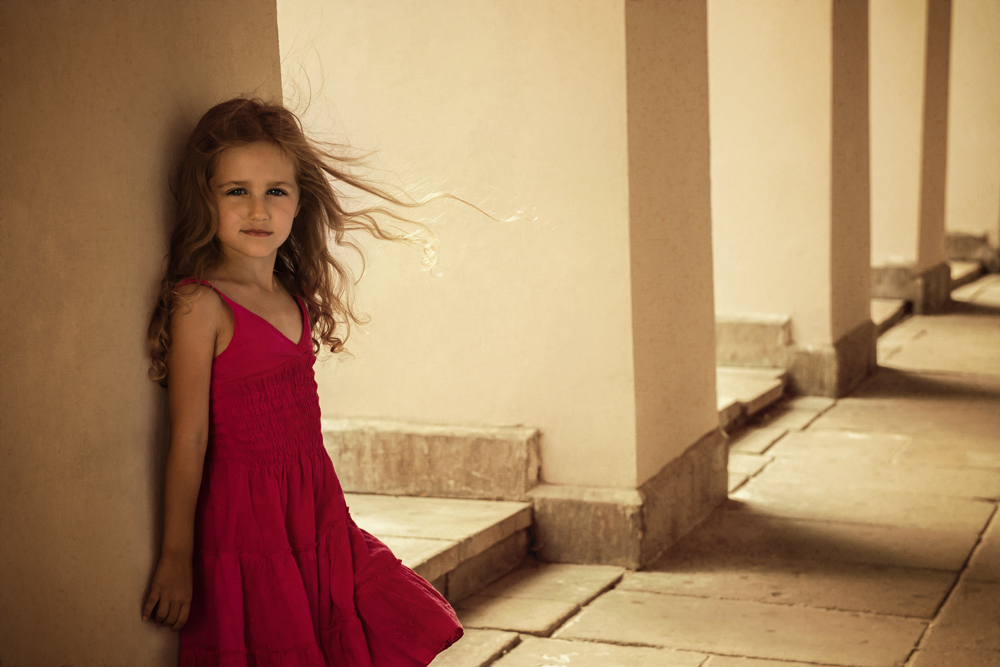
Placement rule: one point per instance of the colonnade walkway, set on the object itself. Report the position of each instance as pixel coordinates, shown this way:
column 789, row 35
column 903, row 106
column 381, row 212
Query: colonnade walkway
column 859, row 532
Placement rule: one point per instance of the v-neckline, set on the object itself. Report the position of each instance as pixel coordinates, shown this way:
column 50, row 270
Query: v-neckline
column 298, row 303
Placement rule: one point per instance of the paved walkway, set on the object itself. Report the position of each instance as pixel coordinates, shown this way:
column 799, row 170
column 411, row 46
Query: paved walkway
column 861, row 532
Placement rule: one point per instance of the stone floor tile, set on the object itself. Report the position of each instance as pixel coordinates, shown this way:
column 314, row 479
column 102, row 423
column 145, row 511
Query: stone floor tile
column 808, row 500
column 727, row 661
column 827, row 585
column 954, row 343
column 839, row 476
column 756, row 440
column 747, row 464
column 750, row 629
column 969, row 619
column 527, row 615
column 985, row 562
column 789, row 419
column 840, row 444
column 476, row 648
column 534, row 652
column 815, row 403
column 736, row 480
column 732, row 537
column 961, row 410
column 946, row 451
column 578, row 584
column 954, row 657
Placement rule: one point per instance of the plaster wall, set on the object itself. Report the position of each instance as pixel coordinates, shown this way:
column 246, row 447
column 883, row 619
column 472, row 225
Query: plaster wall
column 95, row 103
column 898, row 47
column 771, row 122
column 973, row 186
column 515, row 106
column 909, row 45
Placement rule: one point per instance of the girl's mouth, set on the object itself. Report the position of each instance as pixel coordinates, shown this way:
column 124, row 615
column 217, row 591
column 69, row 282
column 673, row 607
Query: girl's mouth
column 256, row 233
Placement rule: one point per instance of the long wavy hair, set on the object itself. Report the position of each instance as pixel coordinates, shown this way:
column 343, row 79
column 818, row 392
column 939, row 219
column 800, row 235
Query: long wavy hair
column 305, row 266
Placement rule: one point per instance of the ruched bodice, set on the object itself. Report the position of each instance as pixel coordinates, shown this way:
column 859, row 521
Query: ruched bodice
column 282, row 575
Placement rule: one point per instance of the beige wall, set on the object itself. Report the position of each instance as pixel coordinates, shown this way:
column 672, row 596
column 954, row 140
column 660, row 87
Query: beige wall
column 513, row 105
column 909, row 109
column 898, row 50
column 973, row 195
column 783, row 245
column 95, row 100
column 769, row 71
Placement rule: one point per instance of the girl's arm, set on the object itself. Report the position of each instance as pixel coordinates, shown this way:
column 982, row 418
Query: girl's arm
column 194, row 329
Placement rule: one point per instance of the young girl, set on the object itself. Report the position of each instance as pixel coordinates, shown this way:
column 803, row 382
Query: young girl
column 261, row 563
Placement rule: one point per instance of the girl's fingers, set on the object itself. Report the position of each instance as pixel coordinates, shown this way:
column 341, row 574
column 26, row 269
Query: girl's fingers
column 172, row 613
column 161, row 611
column 154, row 597
column 182, row 617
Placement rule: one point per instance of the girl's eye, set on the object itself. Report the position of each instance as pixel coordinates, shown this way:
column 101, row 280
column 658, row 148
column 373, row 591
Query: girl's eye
column 237, row 191
column 278, row 192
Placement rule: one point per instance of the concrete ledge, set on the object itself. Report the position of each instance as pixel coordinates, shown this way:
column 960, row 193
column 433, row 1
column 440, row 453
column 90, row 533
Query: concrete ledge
column 887, row 313
column 834, row 370
column 752, row 340
column 435, row 536
column 972, row 248
column 630, row 528
column 928, row 290
column 405, row 459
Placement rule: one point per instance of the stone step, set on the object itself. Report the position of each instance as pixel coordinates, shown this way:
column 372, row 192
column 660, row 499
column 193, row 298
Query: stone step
column 963, row 273
column 887, row 313
column 458, row 545
column 743, row 392
column 407, row 459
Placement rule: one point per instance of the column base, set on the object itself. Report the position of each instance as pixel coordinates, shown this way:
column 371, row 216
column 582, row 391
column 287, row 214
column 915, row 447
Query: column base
column 834, row 370
column 929, row 291
column 626, row 527
column 813, row 370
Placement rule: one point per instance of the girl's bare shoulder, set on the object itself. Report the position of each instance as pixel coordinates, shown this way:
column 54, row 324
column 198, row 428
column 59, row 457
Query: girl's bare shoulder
column 198, row 308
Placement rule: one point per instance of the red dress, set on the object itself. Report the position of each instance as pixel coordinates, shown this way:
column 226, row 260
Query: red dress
column 282, row 575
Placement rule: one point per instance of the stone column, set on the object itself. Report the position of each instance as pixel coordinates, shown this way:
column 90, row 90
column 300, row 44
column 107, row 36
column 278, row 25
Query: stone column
column 96, row 100
column 789, row 84
column 910, row 55
column 589, row 315
column 972, row 210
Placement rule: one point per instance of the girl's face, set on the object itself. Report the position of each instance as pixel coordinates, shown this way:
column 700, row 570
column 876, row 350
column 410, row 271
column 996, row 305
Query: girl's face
column 257, row 198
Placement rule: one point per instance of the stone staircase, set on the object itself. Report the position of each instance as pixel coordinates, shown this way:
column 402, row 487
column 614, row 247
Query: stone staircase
column 453, row 502
column 450, row 501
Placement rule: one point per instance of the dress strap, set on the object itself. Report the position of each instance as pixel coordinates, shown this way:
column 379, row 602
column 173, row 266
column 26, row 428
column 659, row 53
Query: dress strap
column 206, row 283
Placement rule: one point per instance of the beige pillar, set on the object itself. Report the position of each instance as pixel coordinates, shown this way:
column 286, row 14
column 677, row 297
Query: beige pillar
column 972, row 213
column 589, row 316
column 909, row 42
column 789, row 123
column 96, row 98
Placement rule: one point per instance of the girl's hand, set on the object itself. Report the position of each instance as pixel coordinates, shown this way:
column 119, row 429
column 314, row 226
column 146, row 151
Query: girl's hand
column 170, row 592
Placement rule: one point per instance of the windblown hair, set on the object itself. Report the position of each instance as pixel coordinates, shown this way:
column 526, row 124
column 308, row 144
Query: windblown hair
column 305, row 265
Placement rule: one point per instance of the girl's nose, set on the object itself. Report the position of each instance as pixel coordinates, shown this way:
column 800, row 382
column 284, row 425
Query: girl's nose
column 258, row 209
